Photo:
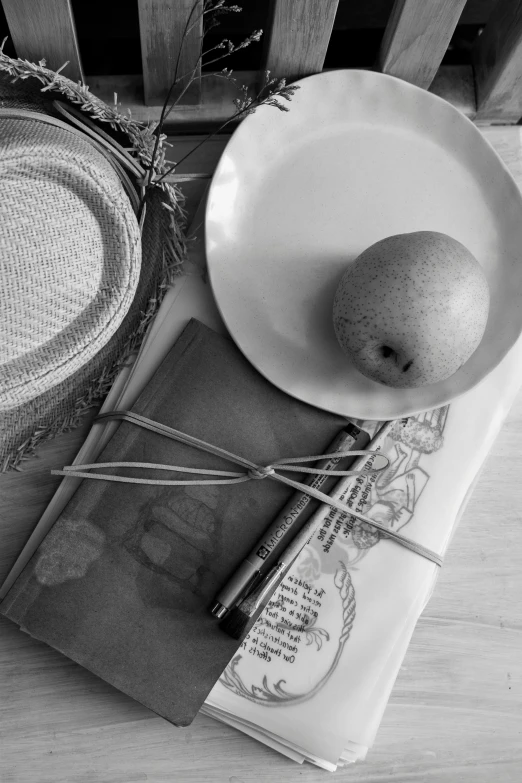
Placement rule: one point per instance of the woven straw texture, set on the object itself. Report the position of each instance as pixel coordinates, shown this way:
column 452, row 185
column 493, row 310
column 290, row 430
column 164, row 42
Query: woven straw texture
column 71, row 256
column 75, row 299
column 61, row 407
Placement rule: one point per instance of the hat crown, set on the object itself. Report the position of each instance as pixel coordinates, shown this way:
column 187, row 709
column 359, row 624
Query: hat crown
column 71, row 253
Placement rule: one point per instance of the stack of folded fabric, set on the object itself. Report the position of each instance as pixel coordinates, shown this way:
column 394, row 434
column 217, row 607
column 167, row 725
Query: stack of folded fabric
column 313, row 676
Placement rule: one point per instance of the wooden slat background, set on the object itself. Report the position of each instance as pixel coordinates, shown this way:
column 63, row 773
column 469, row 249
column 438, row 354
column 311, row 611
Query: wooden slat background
column 162, row 24
column 298, row 33
column 497, row 58
column 45, row 29
column 416, row 38
column 296, row 42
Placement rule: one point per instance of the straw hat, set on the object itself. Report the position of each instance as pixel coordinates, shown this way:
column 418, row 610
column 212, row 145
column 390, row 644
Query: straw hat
column 82, row 265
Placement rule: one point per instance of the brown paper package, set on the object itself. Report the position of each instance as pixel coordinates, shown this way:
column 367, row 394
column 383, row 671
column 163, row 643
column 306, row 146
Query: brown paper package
column 123, row 582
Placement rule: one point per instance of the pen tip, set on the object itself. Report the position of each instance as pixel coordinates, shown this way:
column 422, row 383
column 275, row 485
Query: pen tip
column 237, row 624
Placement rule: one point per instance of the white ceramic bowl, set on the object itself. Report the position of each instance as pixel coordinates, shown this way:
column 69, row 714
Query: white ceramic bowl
column 298, row 195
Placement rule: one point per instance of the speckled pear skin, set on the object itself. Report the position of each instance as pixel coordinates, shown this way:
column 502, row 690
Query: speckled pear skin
column 411, row 309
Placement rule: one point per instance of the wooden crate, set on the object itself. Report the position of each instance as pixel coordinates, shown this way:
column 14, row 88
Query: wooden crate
column 296, row 39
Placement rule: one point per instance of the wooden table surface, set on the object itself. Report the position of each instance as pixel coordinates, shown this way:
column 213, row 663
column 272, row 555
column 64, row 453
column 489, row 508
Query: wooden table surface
column 455, row 713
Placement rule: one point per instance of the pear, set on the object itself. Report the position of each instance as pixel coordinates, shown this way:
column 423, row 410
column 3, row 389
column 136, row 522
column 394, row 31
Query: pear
column 411, row 309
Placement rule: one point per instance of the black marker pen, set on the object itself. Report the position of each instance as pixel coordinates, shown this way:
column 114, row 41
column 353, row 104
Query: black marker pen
column 350, row 438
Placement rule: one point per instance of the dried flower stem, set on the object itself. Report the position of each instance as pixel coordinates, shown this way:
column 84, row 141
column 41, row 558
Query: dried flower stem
column 253, row 104
column 167, row 99
column 270, row 91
